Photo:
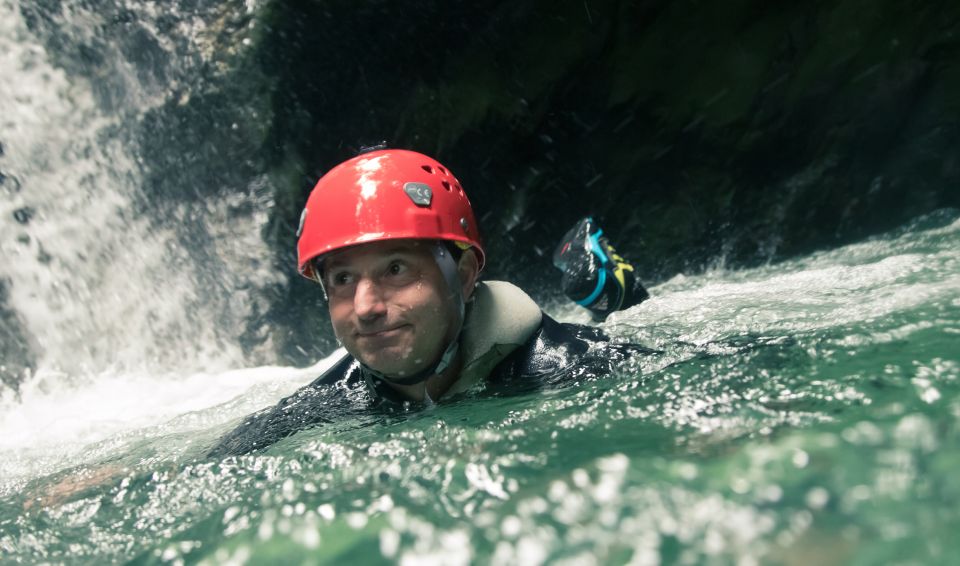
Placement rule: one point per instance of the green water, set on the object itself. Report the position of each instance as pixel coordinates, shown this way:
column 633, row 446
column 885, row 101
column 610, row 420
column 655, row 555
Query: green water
column 802, row 413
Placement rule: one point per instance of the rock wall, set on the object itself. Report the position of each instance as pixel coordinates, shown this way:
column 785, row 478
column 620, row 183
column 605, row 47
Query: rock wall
column 695, row 131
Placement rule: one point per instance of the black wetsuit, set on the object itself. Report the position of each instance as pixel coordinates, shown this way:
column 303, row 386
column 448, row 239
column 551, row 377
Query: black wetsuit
column 556, row 354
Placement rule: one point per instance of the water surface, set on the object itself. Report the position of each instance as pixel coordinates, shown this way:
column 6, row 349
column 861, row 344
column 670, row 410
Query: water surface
column 804, row 412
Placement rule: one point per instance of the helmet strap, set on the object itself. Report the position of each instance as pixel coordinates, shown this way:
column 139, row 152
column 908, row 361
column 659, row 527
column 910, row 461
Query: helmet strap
column 448, row 267
column 318, row 276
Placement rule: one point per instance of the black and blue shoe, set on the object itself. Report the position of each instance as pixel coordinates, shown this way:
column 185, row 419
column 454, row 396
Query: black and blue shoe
column 594, row 275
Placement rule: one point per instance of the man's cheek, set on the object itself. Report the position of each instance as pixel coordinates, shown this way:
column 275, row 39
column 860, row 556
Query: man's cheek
column 342, row 333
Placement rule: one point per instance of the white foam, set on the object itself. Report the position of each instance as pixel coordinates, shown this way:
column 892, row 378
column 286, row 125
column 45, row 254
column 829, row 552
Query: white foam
column 52, row 416
column 854, row 284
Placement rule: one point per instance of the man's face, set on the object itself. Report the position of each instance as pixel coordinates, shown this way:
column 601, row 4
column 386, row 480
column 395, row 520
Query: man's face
column 390, row 305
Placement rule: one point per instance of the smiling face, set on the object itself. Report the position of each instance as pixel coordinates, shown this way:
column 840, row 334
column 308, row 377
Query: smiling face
column 390, row 306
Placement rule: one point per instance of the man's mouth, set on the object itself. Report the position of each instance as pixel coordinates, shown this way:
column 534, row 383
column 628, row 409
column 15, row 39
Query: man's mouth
column 382, row 332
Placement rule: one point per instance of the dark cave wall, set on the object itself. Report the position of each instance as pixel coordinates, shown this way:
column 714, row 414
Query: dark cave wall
column 693, row 130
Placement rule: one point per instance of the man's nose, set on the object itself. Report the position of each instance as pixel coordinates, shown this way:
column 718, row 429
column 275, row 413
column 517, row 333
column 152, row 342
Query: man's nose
column 368, row 299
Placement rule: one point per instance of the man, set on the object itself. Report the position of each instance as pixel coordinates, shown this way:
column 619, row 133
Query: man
column 391, row 238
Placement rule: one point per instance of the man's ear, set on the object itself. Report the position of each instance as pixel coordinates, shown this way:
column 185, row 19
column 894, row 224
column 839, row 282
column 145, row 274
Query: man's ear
column 468, row 268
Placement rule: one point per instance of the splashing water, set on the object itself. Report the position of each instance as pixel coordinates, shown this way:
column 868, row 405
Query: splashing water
column 804, row 412
column 95, row 282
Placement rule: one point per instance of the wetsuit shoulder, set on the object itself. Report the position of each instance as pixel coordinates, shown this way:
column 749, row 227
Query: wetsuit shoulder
column 558, row 354
column 337, row 392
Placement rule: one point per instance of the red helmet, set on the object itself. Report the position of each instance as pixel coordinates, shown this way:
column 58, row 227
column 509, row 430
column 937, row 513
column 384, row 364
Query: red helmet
column 389, row 194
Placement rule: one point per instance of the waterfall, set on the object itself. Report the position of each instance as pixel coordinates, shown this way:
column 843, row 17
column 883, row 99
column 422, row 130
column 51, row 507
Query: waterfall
column 93, row 280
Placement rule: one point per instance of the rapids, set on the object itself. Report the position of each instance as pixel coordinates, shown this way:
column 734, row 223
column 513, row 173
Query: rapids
column 804, row 412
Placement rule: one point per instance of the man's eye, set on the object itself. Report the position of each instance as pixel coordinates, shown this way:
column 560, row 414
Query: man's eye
column 341, row 278
column 397, row 268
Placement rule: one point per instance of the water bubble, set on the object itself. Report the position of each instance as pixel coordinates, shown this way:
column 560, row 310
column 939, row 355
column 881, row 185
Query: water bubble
column 863, row 433
column 511, row 526
column 384, row 504
column 531, row 551
column 265, row 531
column 230, row 513
column 801, row 521
column 616, row 463
column 800, row 459
column 740, row 485
column 687, row 471
column 326, row 512
column 860, row 492
column 817, row 498
column 389, row 543
column 287, row 490
column 772, row 493
column 916, row 431
column 356, row 521
column 581, row 478
column 310, row 538
column 713, row 542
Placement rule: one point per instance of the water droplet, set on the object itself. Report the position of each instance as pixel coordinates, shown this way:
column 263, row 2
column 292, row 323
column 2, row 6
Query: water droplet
column 801, row 459
column 817, row 498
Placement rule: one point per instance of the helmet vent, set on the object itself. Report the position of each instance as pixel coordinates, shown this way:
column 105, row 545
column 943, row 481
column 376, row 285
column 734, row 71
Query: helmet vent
column 427, row 168
column 442, row 170
column 446, row 185
column 459, row 188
